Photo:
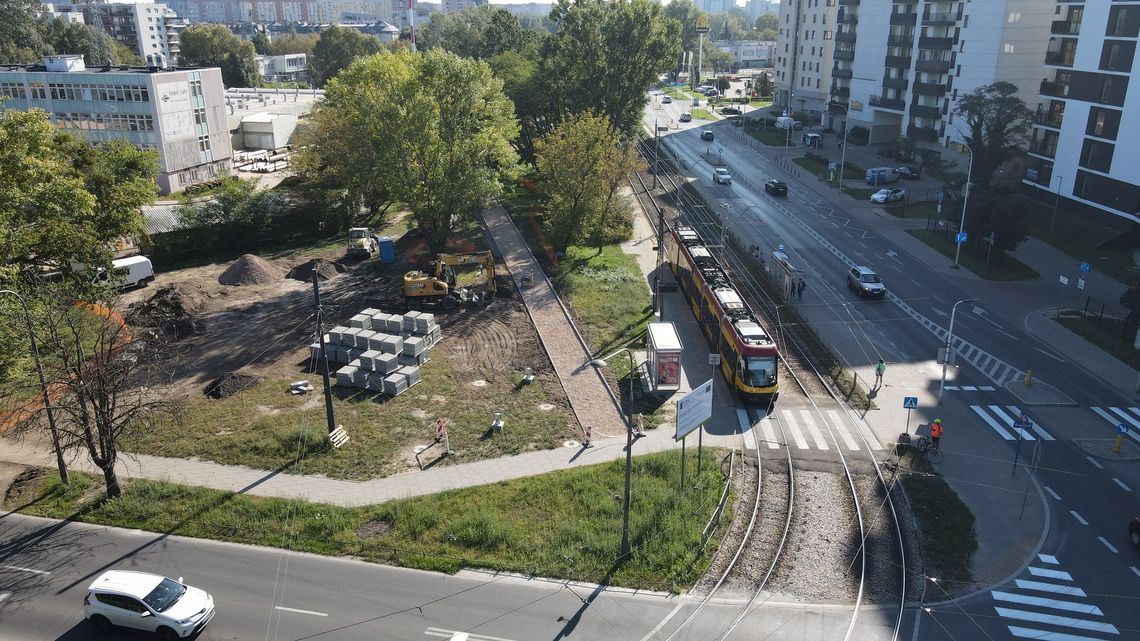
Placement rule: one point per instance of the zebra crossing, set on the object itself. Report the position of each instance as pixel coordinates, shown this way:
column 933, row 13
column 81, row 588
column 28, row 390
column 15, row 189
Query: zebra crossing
column 1050, row 602
column 1127, row 416
column 970, row 388
column 1001, row 420
column 806, row 429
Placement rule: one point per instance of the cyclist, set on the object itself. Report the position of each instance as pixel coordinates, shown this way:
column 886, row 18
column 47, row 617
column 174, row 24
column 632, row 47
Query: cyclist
column 936, row 431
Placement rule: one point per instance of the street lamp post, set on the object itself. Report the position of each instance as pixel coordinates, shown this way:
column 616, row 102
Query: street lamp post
column 1056, row 200
column 601, row 362
column 843, row 145
column 965, row 201
column 949, row 340
column 43, row 388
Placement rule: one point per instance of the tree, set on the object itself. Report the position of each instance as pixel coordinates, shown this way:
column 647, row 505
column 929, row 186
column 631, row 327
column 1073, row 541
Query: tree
column 20, row 39
column 526, row 86
column 764, row 85
column 723, row 84
column 293, row 43
column 997, row 121
column 767, row 26
column 581, row 166
column 214, row 45
column 480, row 32
column 686, row 13
column 432, row 130
column 261, row 44
column 991, row 212
column 336, row 49
column 236, row 207
column 1130, row 299
column 606, row 55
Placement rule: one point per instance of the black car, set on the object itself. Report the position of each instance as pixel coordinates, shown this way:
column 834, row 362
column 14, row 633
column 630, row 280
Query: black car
column 909, row 172
column 706, row 135
column 1134, row 531
column 731, row 111
column 776, row 188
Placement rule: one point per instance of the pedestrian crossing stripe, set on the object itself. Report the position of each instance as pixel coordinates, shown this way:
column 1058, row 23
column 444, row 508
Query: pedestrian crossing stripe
column 1005, row 418
column 805, row 429
column 970, row 388
column 1130, row 417
column 1049, row 609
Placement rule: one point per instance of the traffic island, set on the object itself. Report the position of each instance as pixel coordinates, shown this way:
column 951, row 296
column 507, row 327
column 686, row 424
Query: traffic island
column 1121, row 448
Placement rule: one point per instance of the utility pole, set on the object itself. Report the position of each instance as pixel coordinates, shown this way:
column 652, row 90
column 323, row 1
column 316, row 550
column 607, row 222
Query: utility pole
column 412, row 31
column 324, row 357
column 1056, row 201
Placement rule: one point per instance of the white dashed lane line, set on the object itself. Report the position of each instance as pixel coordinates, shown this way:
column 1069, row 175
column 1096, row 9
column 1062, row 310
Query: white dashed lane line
column 1108, row 545
column 1121, row 484
column 1135, row 570
column 1053, row 494
column 1093, row 461
column 1078, row 517
column 18, row 568
column 295, row 610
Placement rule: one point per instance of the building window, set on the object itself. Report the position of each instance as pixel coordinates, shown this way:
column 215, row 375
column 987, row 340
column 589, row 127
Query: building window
column 1097, row 155
column 1103, row 123
column 1117, row 55
column 1123, row 22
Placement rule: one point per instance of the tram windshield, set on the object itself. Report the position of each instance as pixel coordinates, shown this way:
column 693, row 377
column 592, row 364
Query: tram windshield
column 760, row 371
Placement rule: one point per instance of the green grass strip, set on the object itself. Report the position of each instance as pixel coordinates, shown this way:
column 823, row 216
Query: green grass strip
column 1001, row 266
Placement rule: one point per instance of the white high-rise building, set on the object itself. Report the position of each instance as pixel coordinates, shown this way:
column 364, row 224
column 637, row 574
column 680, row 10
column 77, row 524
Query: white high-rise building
column 148, row 29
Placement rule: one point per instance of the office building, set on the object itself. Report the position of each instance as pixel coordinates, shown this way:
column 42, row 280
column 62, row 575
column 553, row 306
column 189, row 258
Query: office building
column 1088, row 113
column 149, row 30
column 178, row 112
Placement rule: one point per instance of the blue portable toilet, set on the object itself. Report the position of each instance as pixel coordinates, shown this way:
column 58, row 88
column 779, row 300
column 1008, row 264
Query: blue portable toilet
column 387, row 250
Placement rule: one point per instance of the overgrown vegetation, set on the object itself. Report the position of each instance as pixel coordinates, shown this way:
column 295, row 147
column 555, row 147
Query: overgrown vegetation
column 565, row 524
column 999, row 266
column 945, row 523
column 1113, row 335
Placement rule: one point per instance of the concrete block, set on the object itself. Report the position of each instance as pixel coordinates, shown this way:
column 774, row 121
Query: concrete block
column 385, row 363
column 370, row 312
column 375, row 382
column 394, row 324
column 410, row 321
column 359, row 321
column 424, row 322
column 366, row 359
column 392, row 345
column 345, row 375
column 395, row 384
column 376, row 341
column 412, row 372
column 414, row 346
column 418, row 360
column 380, row 322
column 348, row 336
column 362, row 338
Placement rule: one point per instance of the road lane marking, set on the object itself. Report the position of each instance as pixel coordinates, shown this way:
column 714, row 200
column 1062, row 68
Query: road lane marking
column 1135, row 570
column 1050, row 355
column 447, row 634
column 837, row 423
column 1047, row 558
column 310, row 612
column 1078, row 517
column 1055, row 604
column 1041, row 635
column 1033, row 424
column 1041, row 586
column 1050, row 574
column 992, row 423
column 813, row 430
column 19, row 568
column 1093, row 461
column 1108, row 545
column 1121, row 484
column 1052, row 493
column 1052, row 619
column 657, row 629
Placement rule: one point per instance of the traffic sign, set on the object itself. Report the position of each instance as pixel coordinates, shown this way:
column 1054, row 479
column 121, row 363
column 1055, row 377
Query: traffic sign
column 1023, row 424
column 960, row 238
column 1121, row 428
column 1084, row 268
column 694, row 410
column 910, row 402
column 941, row 195
column 1063, row 280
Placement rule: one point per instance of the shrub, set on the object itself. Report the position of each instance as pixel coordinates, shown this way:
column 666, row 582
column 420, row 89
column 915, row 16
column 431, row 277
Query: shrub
column 858, row 135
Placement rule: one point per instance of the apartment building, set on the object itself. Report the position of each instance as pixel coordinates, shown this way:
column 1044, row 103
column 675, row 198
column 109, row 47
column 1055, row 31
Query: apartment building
column 806, row 48
column 149, row 30
column 178, row 112
column 303, row 11
column 1088, row 115
column 454, row 6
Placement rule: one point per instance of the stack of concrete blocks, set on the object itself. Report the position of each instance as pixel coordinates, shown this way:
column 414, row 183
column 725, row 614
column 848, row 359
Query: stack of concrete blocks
column 382, row 352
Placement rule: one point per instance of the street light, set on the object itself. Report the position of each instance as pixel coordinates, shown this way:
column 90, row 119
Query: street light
column 43, row 388
column 949, row 339
column 1056, row 199
column 599, row 363
column 965, row 200
column 846, row 128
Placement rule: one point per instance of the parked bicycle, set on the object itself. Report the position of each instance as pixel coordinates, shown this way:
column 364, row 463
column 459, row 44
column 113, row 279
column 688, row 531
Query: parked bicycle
column 926, row 446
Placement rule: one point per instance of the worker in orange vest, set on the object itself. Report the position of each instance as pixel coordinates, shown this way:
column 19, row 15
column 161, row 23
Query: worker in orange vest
column 936, row 431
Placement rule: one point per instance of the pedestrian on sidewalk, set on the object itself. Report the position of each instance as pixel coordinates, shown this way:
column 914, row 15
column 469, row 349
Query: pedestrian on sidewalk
column 589, row 433
column 936, row 432
column 800, row 289
column 880, row 369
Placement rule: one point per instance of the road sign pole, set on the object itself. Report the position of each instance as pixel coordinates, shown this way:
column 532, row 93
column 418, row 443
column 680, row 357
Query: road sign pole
column 683, row 464
column 906, row 428
column 700, row 445
column 1016, row 452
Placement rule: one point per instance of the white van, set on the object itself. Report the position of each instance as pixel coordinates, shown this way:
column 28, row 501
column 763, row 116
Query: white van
column 881, row 175
column 785, row 122
column 133, row 271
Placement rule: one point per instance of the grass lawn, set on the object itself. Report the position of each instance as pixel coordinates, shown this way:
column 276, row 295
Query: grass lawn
column 1001, row 267
column 1078, row 237
column 565, row 524
column 607, row 294
column 771, row 136
column 945, row 523
column 1105, row 334
column 703, row 114
column 920, row 209
column 859, row 193
column 821, row 171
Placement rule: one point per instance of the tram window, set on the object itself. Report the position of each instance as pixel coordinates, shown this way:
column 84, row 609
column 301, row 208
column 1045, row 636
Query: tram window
column 759, row 371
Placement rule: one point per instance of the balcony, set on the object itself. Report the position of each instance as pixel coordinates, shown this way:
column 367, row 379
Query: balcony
column 898, row 62
column 845, row 36
column 842, row 74
column 844, row 54
column 888, row 103
column 1066, row 28
column 924, row 111
column 931, row 42
column 933, row 66
column 896, row 83
column 848, row 3
column 925, row 134
column 1059, row 58
column 939, row 19
column 1056, row 89
column 910, row 19
column 840, row 92
column 1048, row 120
column 847, row 18
column 936, row 89
column 901, row 41
column 1044, row 148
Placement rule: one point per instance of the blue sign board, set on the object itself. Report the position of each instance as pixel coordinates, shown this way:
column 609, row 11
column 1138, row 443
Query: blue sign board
column 940, row 196
column 1022, row 424
column 960, row 238
column 1084, row 268
column 910, row 402
column 1122, row 428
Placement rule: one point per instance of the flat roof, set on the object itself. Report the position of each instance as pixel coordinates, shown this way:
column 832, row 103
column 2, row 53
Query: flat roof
column 38, row 68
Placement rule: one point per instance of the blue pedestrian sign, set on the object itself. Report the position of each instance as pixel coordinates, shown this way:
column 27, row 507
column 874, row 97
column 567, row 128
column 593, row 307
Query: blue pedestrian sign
column 960, row 238
column 1022, row 424
column 910, row 402
column 941, row 195
column 1084, row 268
column 1121, row 428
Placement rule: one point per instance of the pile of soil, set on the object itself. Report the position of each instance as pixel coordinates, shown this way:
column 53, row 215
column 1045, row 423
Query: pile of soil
column 250, row 270
column 229, row 384
column 325, row 270
column 173, row 310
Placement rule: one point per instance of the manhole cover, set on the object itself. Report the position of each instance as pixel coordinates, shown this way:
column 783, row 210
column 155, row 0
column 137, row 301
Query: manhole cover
column 571, row 444
column 546, row 407
column 419, row 448
column 479, row 383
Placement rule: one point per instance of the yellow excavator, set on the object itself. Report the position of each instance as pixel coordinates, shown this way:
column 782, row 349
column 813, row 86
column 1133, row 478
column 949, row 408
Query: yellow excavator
column 436, row 285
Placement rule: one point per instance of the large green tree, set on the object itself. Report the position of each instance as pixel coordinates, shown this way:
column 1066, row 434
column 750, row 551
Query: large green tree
column 214, row 45
column 430, row 129
column 477, row 32
column 996, row 122
column 20, row 37
column 686, row 13
column 767, row 26
column 337, row 48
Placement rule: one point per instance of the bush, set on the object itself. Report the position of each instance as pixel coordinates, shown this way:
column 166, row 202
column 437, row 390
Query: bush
column 858, row 135
column 885, row 152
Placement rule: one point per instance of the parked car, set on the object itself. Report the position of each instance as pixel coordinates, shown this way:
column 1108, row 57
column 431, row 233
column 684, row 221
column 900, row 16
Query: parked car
column 797, row 125
column 776, row 187
column 149, row 602
column 866, row 282
column 666, row 100
column 909, row 172
column 721, row 176
column 1134, row 531
column 888, row 195
column 686, row 117
column 731, row 111
column 707, row 134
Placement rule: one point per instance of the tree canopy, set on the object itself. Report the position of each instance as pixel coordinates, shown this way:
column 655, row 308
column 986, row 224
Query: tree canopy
column 336, row 49
column 214, row 45
column 996, row 123
column 478, row 32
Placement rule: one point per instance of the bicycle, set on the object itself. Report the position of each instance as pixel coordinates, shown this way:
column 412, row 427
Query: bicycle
column 926, row 446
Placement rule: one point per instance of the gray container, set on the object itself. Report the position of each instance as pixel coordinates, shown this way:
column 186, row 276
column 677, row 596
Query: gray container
column 360, row 321
column 394, row 324
column 380, row 322
column 412, row 372
column 424, row 322
column 362, row 338
column 395, row 384
column 414, row 346
column 392, row 345
column 345, row 375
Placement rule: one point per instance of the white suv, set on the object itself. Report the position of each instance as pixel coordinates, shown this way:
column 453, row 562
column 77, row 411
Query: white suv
column 721, row 176
column 147, row 602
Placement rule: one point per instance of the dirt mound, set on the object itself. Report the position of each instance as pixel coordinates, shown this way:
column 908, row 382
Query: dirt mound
column 229, row 384
column 325, row 270
column 250, row 270
column 173, row 310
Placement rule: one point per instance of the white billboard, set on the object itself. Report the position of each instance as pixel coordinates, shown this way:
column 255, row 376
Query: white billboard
column 176, row 109
column 694, row 410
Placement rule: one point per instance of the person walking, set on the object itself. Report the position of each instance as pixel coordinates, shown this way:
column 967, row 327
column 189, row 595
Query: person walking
column 936, row 432
column 880, row 369
column 800, row 289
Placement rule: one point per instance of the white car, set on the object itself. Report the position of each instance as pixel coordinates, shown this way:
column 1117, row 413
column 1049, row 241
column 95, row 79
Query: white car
column 721, row 176
column 888, row 195
column 147, row 602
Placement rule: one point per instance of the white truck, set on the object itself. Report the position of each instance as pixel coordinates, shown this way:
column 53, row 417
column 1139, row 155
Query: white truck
column 132, row 271
column 361, row 244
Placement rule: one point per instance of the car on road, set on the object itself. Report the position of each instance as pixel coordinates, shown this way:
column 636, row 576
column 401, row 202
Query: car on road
column 776, row 187
column 909, row 172
column 150, row 602
column 721, row 176
column 686, row 117
column 707, row 134
column 1134, row 531
column 797, row 125
column 866, row 282
column 666, row 100
column 888, row 195
column 731, row 111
